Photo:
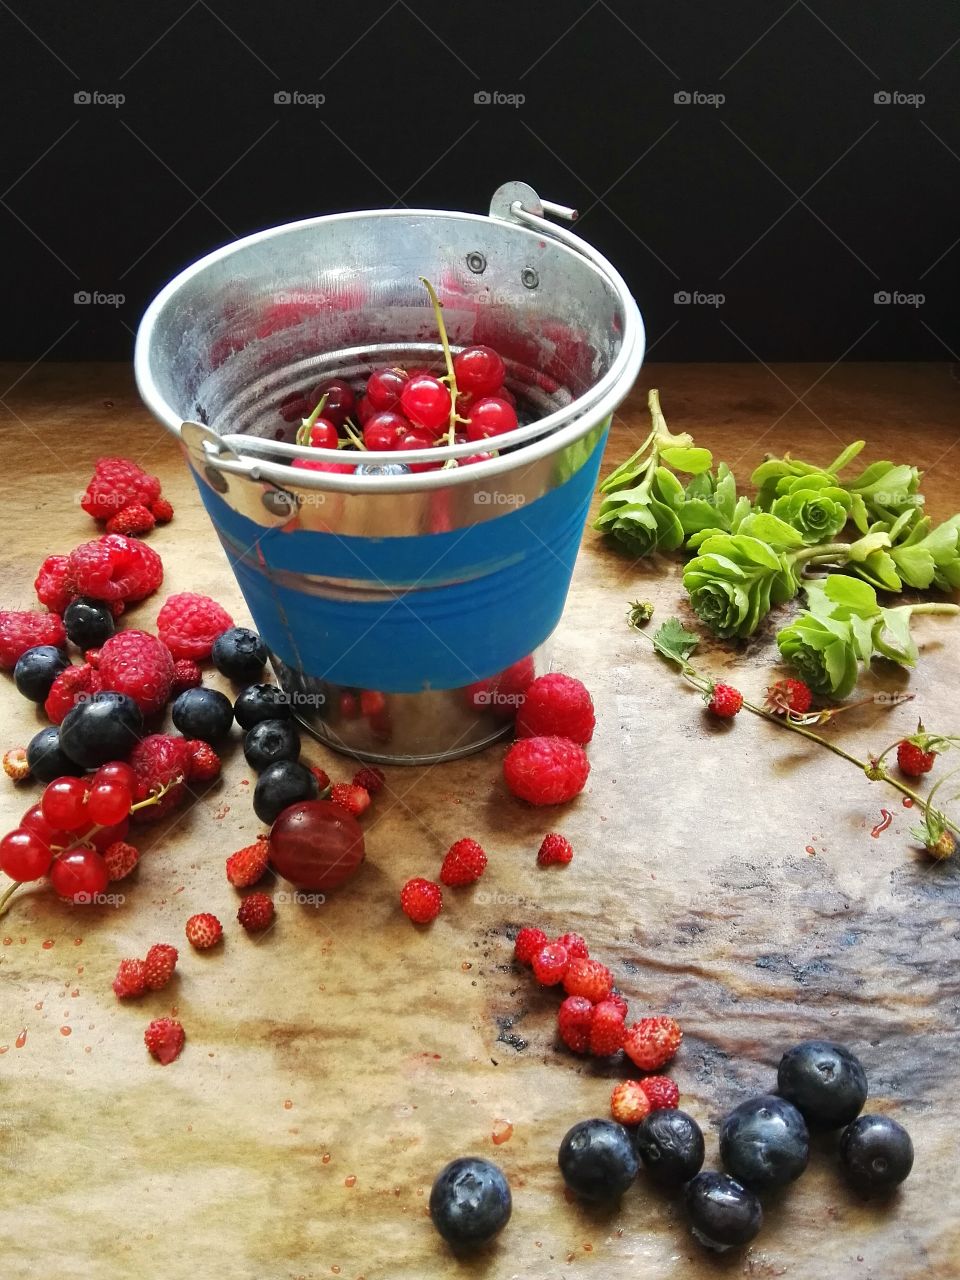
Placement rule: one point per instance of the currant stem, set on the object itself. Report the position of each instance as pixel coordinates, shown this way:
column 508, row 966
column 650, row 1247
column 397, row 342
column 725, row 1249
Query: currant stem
column 8, row 894
column 306, row 424
column 156, row 796
column 451, row 378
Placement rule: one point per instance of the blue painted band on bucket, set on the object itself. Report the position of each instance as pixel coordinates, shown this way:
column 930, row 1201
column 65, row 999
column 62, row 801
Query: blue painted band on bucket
column 448, row 609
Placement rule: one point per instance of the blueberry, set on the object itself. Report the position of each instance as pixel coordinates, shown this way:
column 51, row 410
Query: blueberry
column 670, row 1146
column 598, row 1160
column 203, row 713
column 37, row 669
column 240, row 654
column 45, row 758
column 470, row 1201
column 824, row 1081
column 261, row 702
column 876, row 1154
column 764, row 1142
column 280, row 785
column 88, row 623
column 105, row 726
column 722, row 1212
column 270, row 741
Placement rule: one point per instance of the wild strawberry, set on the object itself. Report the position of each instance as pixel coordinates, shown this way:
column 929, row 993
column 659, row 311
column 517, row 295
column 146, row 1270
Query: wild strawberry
column 256, row 912
column 550, row 964
column 652, row 1042
column 159, row 965
column 588, row 978
column 371, row 779
column 322, row 777
column 15, row 764
column 724, row 700
column 372, row 703
column 661, row 1091
column 576, row 946
column 464, row 863
column 573, row 1023
column 164, row 1038
column 421, row 900
column 943, row 847
column 162, row 510
column 528, row 942
column 606, row 1029
column 616, row 998
column 555, row 848
column 355, row 799
column 133, row 521
column 629, row 1104
column 203, row 931
column 121, row 858
column 788, row 695
column 186, row 675
column 545, row 770
column 247, row 865
column 913, row 757
column 130, row 980
column 204, row 764
column 557, row 706
column 92, row 658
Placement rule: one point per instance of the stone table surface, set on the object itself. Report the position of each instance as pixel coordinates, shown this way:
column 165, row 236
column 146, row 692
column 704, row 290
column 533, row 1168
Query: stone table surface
column 728, row 875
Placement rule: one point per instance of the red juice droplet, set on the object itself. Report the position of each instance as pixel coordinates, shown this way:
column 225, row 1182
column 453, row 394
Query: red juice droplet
column 502, row 1132
column 287, row 1104
column 325, row 1158
column 907, row 802
column 4, row 1048
column 811, row 849
column 78, row 942
column 886, row 817
column 66, row 1031
column 350, row 1180
column 7, row 942
column 21, row 1039
column 47, row 944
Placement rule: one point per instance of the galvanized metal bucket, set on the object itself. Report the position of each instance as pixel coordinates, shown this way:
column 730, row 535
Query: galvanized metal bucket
column 404, row 613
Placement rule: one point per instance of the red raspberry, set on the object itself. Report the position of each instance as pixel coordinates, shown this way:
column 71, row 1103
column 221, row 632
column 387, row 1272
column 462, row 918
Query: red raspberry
column 573, row 1022
column 528, row 943
column 788, row 695
column 130, row 980
column 724, row 700
column 164, row 1038
column 204, row 761
column 137, row 664
column 588, row 978
column 321, row 775
column 159, row 965
column 247, row 865
column 616, row 998
column 652, row 1042
column 52, row 583
column 115, row 568
column 20, row 631
column 421, row 900
column 188, row 624
column 913, row 760
column 606, row 1029
column 662, row 1092
column 464, row 863
column 15, row 764
column 356, row 800
column 91, row 657
column 117, row 483
column 370, row 779
column 545, row 770
column 157, row 760
column 68, row 688
column 133, row 521
column 555, row 848
column 203, row 931
column 256, row 912
column 628, row 1103
column 186, row 675
column 550, row 964
column 556, row 706
column 121, row 858
column 162, row 511
column 576, row 946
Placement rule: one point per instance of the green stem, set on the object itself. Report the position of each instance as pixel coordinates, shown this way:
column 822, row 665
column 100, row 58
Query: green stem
column 306, row 424
column 824, row 551
column 934, row 606
column 8, row 894
column 451, row 378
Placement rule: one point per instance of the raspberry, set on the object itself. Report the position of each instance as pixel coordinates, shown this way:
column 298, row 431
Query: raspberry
column 15, row 764
column 528, row 943
column 117, row 483
column 137, row 664
column 91, row 657
column 247, row 865
column 573, row 1023
column 204, row 762
column 616, row 998
column 356, row 800
column 662, row 1092
column 556, row 706
column 159, row 965
column 162, row 510
column 464, row 863
column 188, row 624
column 628, row 1103
column 606, row 1029
column 20, row 631
column 186, row 675
column 322, row 777
column 69, row 687
column 133, row 521
column 130, row 980
column 115, row 568
column 576, row 946
column 652, row 1042
column 120, row 858
column 550, row 964
column 52, row 583
column 545, row 770
column 724, row 700
column 157, row 761
column 164, row 1038
column 555, row 848
column 913, row 760
column 421, row 900
column 203, row 931
column 256, row 912
column 371, row 779
column 788, row 695
column 588, row 978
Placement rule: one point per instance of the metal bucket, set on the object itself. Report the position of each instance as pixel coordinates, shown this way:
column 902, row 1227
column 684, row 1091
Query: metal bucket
column 393, row 604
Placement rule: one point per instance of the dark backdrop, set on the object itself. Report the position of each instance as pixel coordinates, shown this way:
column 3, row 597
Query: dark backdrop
column 799, row 198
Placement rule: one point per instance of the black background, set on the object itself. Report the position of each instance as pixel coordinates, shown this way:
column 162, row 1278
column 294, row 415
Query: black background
column 680, row 196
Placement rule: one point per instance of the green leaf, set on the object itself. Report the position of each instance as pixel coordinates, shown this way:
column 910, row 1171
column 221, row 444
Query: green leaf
column 848, row 454
column 892, row 638
column 674, row 642
column 856, row 596
column 693, row 461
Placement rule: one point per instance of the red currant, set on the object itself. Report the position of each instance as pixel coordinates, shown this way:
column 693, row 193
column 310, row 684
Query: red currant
column 384, row 430
column 79, row 876
column 33, row 820
column 349, row 708
column 117, row 771
column 64, row 803
column 106, row 836
column 365, row 411
column 479, row 370
column 476, row 457
column 416, row 440
column 384, row 387
column 339, row 468
column 491, row 416
column 24, row 856
column 323, row 434
column 341, row 400
column 426, row 402
column 294, row 407
column 108, row 803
